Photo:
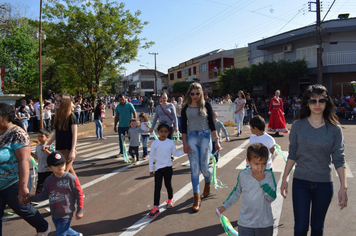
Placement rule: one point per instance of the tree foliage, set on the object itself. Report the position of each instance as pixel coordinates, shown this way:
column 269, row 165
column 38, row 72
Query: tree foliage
column 89, row 42
column 181, row 87
column 233, row 80
column 277, row 74
column 274, row 74
column 19, row 53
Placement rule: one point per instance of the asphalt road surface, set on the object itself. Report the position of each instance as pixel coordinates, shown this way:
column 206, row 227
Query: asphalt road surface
column 118, row 196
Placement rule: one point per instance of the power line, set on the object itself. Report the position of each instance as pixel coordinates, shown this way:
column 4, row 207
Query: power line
column 328, row 10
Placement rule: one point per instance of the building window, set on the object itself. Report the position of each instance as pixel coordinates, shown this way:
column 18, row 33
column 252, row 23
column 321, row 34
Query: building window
column 309, row 54
column 228, row 64
column 179, row 74
column 190, row 71
column 203, row 67
column 194, row 70
column 171, row 76
column 278, row 56
column 257, row 60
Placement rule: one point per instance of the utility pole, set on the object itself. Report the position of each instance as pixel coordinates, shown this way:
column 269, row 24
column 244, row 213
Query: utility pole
column 155, row 54
column 40, row 65
column 319, row 45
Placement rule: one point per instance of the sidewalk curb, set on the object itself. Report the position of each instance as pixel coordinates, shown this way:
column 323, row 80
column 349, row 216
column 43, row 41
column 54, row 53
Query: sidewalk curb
column 34, row 143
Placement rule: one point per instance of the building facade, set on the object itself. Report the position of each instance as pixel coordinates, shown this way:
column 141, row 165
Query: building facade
column 339, row 54
column 142, row 83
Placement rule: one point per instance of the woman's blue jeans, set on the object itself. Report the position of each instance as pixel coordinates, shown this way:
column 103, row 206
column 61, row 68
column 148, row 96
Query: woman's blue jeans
column 63, row 227
column 316, row 194
column 77, row 114
column 27, row 212
column 179, row 124
column 98, row 129
column 239, row 119
column 199, row 155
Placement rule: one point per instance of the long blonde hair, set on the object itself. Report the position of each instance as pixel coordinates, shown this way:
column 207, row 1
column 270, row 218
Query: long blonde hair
column 201, row 102
column 63, row 113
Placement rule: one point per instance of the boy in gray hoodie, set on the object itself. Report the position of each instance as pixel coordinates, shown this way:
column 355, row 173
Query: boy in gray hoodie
column 258, row 187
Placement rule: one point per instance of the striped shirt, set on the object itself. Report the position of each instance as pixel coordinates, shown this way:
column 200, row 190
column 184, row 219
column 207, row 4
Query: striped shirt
column 192, row 121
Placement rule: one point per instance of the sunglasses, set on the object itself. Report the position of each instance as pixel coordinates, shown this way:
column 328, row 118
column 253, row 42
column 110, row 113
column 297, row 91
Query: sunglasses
column 196, row 94
column 314, row 101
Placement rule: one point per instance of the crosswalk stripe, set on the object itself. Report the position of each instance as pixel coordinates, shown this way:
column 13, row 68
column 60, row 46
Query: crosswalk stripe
column 99, row 146
column 101, row 151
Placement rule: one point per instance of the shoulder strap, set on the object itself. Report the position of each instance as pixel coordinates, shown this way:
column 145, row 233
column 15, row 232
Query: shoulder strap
column 166, row 114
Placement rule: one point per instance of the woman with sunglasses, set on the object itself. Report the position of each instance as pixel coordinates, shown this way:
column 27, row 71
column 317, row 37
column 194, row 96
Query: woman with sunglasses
column 66, row 128
column 197, row 125
column 316, row 141
column 277, row 122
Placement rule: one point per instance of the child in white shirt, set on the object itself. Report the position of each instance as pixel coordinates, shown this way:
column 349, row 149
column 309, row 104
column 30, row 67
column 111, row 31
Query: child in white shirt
column 161, row 151
column 257, row 126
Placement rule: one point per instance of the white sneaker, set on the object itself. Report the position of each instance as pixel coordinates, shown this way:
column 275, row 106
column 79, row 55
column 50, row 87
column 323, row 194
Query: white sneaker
column 45, row 233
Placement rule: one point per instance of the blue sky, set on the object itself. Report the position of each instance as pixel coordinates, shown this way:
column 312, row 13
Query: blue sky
column 183, row 29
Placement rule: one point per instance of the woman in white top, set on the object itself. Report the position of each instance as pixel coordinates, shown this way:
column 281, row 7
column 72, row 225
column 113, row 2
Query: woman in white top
column 240, row 102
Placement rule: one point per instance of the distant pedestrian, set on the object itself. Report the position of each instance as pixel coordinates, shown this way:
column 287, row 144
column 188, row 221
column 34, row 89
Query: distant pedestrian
column 97, row 119
column 277, row 122
column 151, row 106
column 161, row 151
column 227, row 99
column 240, row 102
column 258, row 189
column 207, row 98
column 124, row 112
column 23, row 116
column 64, row 192
column 251, row 106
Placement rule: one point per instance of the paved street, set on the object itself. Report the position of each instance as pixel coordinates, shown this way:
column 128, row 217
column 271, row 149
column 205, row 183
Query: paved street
column 118, row 196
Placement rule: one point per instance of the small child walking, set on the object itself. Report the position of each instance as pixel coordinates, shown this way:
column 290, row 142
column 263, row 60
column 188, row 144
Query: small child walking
column 41, row 157
column 257, row 127
column 219, row 126
column 134, row 135
column 144, row 136
column 162, row 149
column 63, row 191
column 258, row 188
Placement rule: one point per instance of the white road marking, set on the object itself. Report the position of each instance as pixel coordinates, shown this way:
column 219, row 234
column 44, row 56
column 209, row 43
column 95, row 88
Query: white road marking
column 232, row 154
column 143, row 222
column 98, row 147
column 277, row 205
column 348, row 171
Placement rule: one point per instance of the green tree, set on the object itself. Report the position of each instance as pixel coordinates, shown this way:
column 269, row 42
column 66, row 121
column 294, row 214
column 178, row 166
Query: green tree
column 89, row 42
column 18, row 52
column 277, row 74
column 181, row 87
column 233, row 80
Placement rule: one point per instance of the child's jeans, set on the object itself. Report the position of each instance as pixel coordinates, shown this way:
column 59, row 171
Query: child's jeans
column 62, row 227
column 199, row 155
column 144, row 139
column 214, row 150
column 166, row 174
column 133, row 151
